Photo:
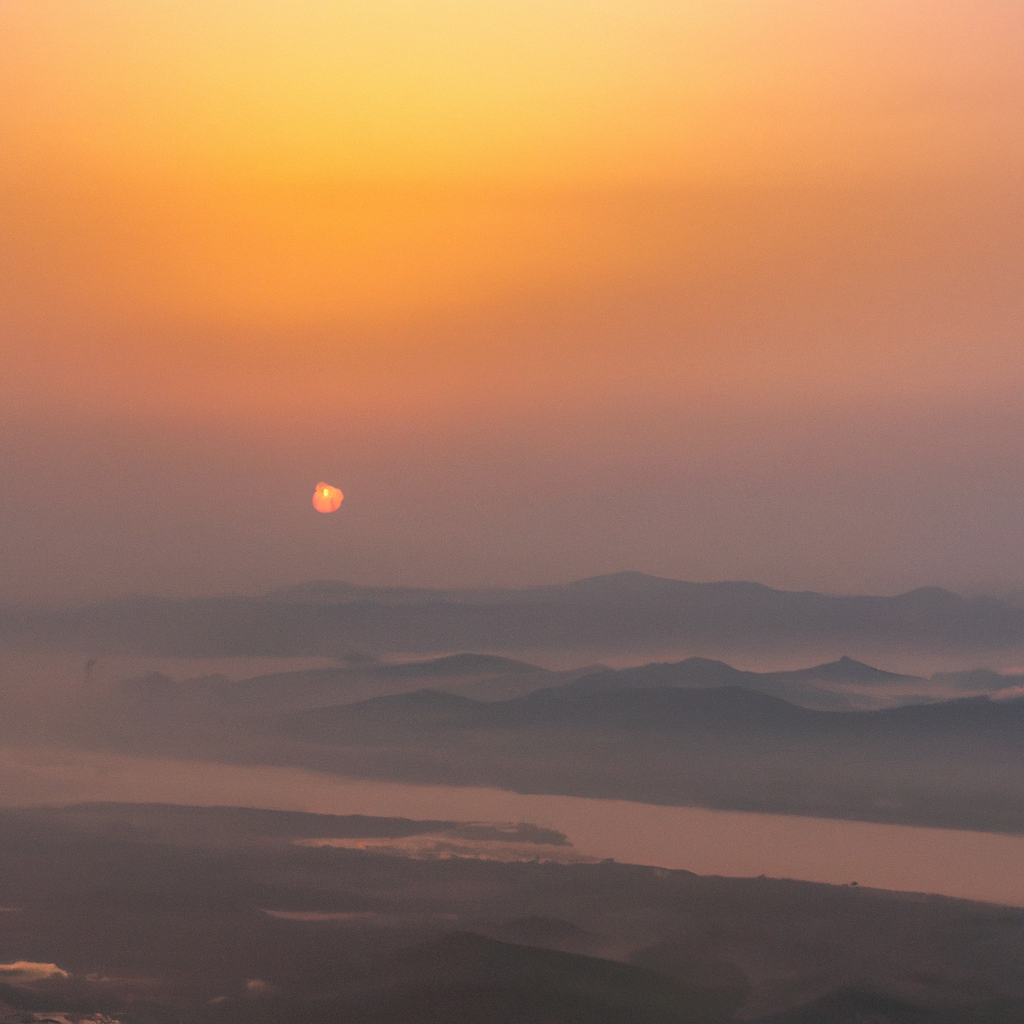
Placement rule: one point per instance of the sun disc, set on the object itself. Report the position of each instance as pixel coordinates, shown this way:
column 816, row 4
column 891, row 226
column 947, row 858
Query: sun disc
column 327, row 498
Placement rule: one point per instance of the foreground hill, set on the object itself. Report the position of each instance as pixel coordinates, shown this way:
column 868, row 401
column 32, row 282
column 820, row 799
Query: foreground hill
column 174, row 915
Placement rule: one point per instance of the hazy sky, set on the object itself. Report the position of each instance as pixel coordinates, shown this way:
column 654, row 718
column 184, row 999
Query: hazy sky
column 710, row 289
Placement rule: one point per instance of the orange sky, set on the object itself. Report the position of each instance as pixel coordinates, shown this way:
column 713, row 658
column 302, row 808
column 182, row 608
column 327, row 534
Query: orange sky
column 269, row 234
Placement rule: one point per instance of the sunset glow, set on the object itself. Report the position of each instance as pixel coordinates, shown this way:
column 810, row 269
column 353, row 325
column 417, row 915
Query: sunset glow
column 617, row 236
column 666, row 661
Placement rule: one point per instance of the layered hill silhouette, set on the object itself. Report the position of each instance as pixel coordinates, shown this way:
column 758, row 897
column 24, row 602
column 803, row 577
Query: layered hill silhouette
column 621, row 612
column 842, row 739
column 845, row 684
column 677, row 710
column 840, row 685
column 952, row 764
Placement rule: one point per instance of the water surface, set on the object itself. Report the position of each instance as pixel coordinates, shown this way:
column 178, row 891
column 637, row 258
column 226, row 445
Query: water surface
column 974, row 865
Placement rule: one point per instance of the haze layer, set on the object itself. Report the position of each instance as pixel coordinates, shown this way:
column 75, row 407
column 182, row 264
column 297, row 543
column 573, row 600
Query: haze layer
column 713, row 290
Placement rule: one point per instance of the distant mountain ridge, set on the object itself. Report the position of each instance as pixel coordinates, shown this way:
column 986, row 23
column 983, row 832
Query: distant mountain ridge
column 623, row 612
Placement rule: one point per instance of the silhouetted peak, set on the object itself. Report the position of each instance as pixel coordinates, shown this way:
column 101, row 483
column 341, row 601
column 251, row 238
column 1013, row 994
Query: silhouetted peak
column 460, row 664
column 849, row 670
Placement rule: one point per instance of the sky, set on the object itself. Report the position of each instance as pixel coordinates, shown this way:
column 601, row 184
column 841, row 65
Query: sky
column 721, row 289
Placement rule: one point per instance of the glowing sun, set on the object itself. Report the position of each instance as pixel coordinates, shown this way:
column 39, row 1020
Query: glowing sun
column 327, row 498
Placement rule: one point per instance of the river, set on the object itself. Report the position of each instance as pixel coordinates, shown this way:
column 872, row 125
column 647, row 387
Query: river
column 973, row 865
